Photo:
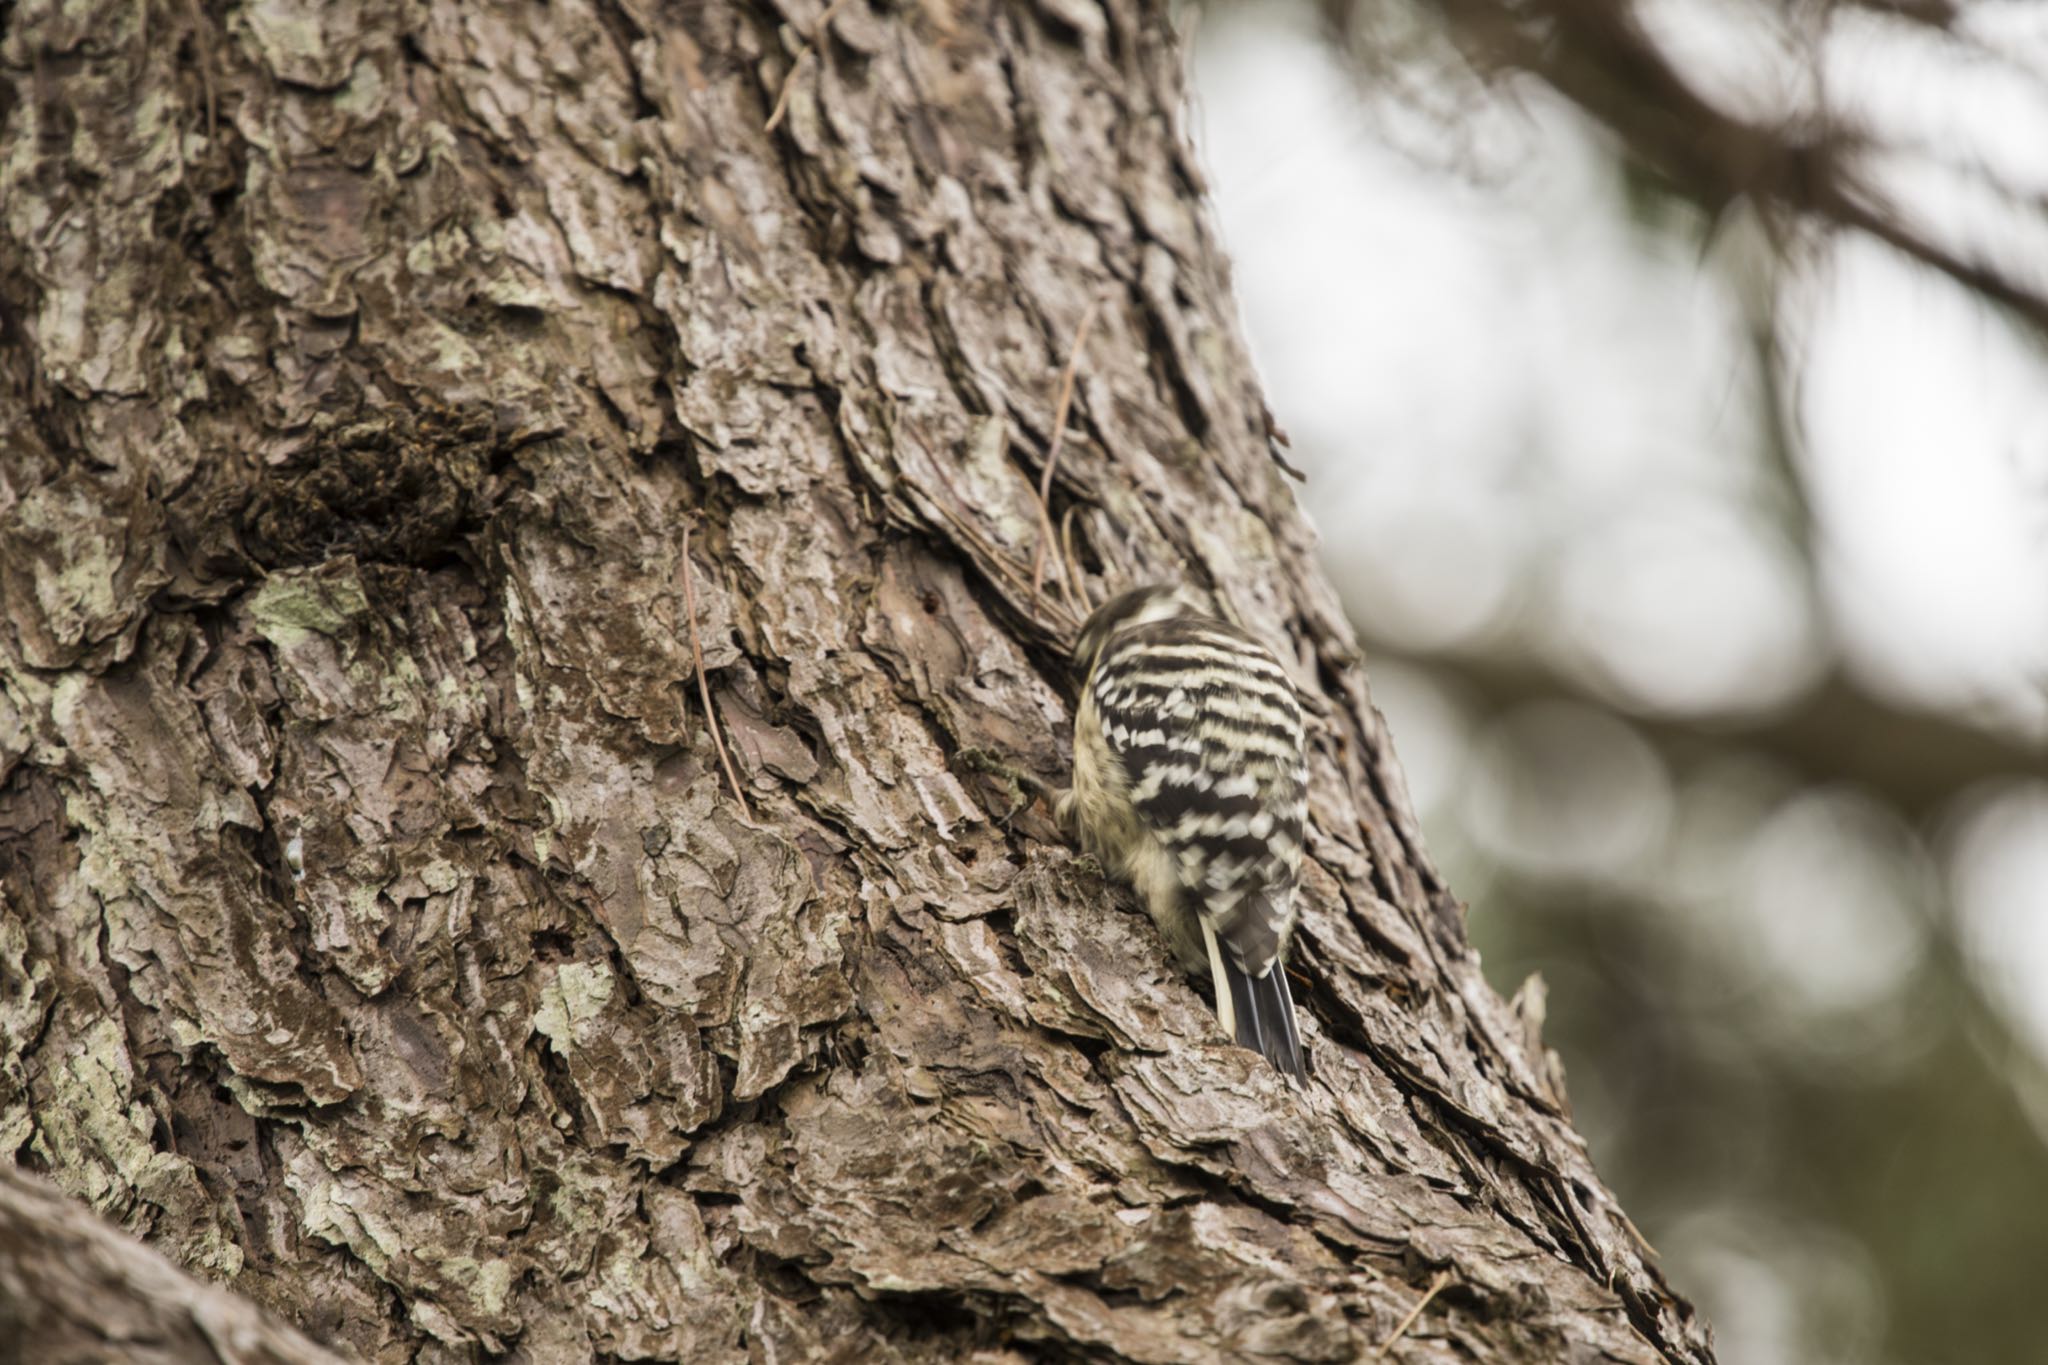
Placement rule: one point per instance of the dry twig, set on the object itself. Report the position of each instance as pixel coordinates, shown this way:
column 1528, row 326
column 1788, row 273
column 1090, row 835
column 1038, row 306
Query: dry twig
column 1443, row 1277
column 202, row 37
column 704, row 687
column 1070, row 565
column 1052, row 459
column 781, row 108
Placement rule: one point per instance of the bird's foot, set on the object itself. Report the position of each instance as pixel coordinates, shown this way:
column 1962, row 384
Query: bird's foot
column 1022, row 787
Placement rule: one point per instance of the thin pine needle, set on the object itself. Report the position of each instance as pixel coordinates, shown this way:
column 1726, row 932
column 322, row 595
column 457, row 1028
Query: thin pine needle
column 1070, row 577
column 1443, row 1277
column 704, row 686
column 1052, row 454
column 806, row 52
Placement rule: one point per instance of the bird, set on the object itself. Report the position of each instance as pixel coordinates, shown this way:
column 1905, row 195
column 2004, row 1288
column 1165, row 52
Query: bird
column 1190, row 783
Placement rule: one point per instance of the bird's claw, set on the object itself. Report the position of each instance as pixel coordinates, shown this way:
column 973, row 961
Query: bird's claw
column 1023, row 787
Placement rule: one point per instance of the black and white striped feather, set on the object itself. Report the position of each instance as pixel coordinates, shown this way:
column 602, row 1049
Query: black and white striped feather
column 1190, row 779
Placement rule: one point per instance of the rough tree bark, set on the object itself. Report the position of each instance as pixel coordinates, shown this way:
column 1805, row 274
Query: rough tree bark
column 381, row 937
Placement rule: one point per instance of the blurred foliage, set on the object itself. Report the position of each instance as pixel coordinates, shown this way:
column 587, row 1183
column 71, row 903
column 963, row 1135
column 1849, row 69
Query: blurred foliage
column 1776, row 1038
column 1926, row 1162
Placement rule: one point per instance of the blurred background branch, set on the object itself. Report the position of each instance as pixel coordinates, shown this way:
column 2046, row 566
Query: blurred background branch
column 1796, row 165
column 1924, row 761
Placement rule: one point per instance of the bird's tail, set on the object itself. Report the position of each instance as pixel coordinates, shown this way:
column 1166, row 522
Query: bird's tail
column 1262, row 1014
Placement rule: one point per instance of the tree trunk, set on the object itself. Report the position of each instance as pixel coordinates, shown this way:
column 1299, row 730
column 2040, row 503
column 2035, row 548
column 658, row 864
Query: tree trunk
column 397, row 399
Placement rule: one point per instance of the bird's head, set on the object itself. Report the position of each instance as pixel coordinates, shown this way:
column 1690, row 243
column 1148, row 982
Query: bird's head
column 1156, row 602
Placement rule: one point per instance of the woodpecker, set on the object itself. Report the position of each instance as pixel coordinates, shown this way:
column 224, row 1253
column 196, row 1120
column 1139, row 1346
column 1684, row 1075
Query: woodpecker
column 1191, row 783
